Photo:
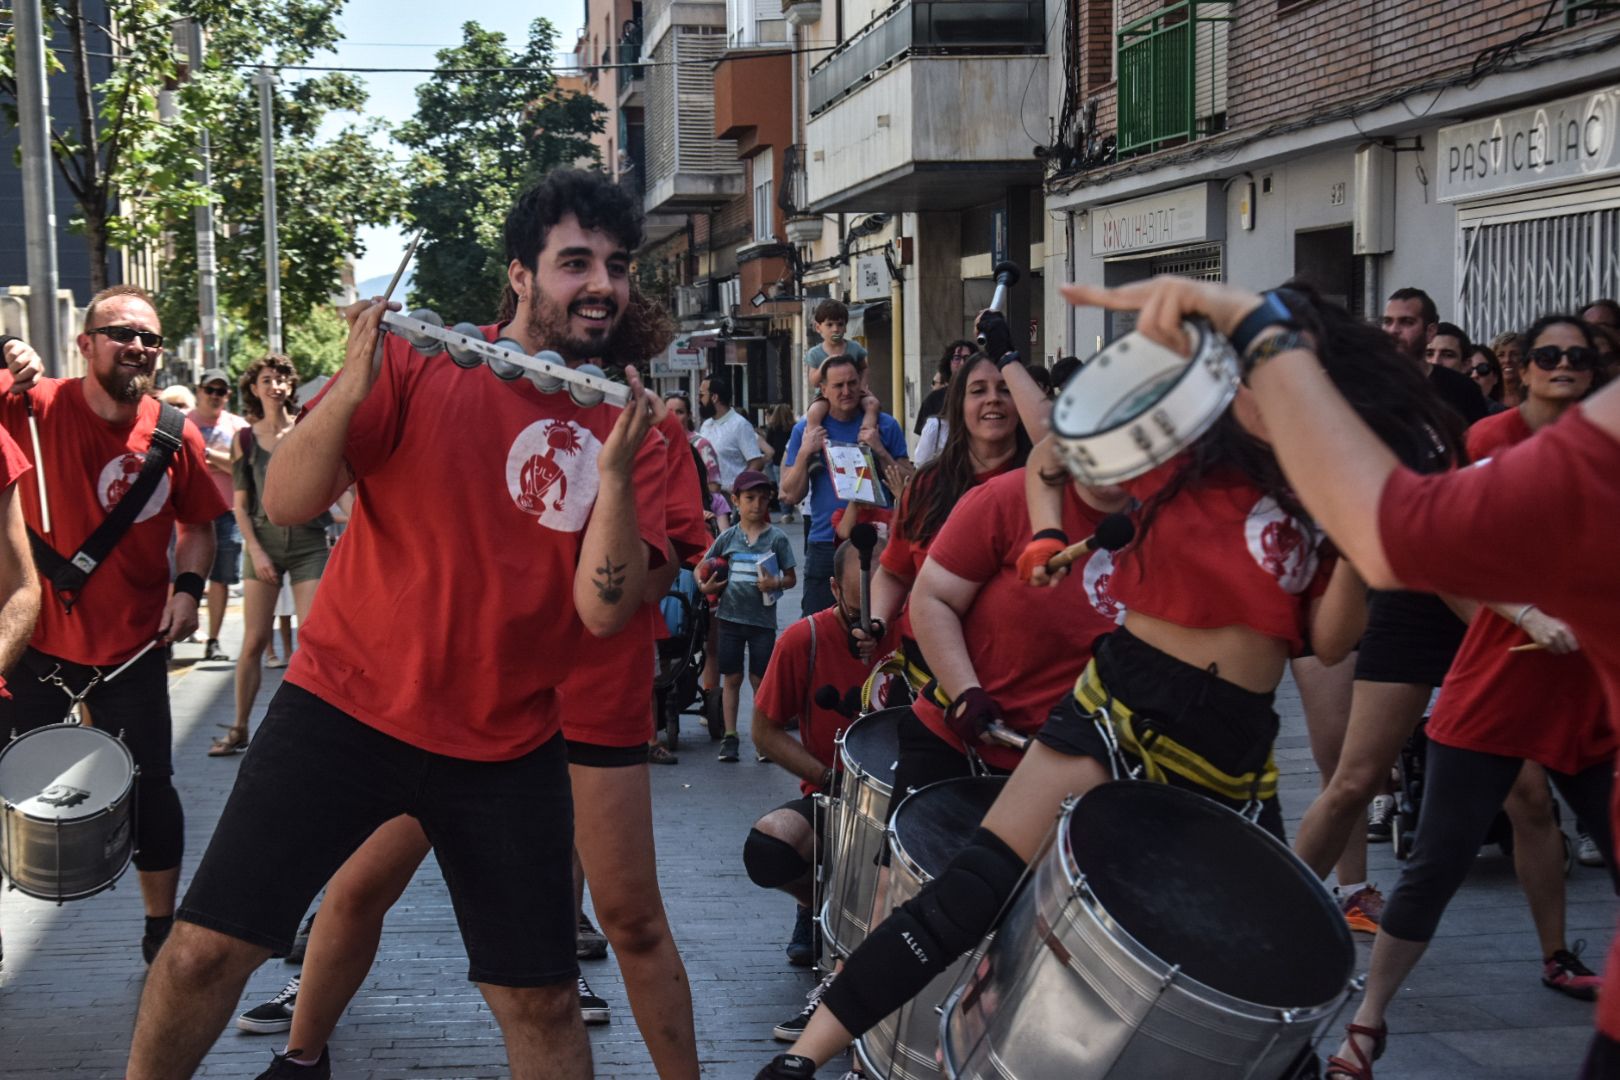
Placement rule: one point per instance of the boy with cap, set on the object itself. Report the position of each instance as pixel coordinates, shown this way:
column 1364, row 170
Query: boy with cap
column 747, row 565
column 219, row 427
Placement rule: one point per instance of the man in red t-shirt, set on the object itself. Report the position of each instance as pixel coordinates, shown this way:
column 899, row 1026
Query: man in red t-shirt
column 814, row 677
column 497, row 525
column 94, row 433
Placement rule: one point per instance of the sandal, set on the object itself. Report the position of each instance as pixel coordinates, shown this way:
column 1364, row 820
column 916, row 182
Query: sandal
column 234, row 741
column 658, row 754
column 1362, row 1068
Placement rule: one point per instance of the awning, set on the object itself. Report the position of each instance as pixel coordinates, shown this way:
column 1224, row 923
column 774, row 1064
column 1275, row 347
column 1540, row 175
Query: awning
column 877, row 312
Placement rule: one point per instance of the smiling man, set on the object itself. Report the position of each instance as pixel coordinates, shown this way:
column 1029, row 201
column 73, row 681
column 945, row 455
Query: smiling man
column 95, row 433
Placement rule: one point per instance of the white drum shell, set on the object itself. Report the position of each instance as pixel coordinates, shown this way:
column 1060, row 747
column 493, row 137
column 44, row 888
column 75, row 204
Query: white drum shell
column 856, row 836
column 67, row 794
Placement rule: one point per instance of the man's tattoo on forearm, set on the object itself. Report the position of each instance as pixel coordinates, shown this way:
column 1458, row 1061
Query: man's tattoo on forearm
column 609, row 581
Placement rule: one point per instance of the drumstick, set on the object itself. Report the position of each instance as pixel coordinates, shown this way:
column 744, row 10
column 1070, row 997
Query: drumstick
column 1531, row 646
column 39, row 467
column 1113, row 532
column 146, row 649
column 410, row 249
column 998, row 732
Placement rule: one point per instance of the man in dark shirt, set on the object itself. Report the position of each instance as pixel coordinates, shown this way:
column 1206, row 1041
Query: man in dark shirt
column 1412, row 320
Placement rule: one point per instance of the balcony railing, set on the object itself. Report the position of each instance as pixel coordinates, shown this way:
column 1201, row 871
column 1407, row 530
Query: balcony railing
column 1574, row 9
column 1172, row 75
column 793, row 193
column 928, row 28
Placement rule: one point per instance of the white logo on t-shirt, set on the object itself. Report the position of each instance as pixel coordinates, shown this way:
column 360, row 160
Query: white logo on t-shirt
column 1282, row 547
column 1098, row 577
column 119, row 475
column 551, row 473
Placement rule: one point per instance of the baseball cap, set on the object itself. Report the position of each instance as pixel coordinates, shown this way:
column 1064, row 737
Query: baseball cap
column 750, row 478
column 214, row 374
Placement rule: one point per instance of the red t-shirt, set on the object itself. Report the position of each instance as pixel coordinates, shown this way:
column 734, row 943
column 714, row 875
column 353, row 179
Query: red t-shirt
column 1534, row 705
column 789, row 685
column 446, row 616
column 902, row 556
column 1027, row 645
column 1465, row 533
column 89, row 464
column 1222, row 553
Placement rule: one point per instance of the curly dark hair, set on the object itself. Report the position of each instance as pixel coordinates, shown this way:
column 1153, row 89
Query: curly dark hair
column 592, row 197
column 252, row 407
column 942, row 482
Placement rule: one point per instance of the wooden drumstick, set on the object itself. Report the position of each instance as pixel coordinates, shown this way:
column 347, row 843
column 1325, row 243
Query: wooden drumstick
column 1113, row 532
column 1531, row 646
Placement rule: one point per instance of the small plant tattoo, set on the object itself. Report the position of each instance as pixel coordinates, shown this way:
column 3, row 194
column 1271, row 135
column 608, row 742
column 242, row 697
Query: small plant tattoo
column 609, row 582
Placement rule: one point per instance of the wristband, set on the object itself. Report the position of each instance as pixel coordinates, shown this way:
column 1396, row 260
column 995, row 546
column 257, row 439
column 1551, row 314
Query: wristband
column 1272, row 346
column 1052, row 534
column 1038, row 552
column 1008, row 358
column 1518, row 620
column 1271, row 312
column 190, row 584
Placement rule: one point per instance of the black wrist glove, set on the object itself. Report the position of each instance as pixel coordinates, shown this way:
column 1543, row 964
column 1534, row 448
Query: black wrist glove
column 997, row 335
column 854, row 643
column 971, row 713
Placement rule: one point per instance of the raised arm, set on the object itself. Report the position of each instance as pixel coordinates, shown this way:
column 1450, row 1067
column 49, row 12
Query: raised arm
column 611, row 579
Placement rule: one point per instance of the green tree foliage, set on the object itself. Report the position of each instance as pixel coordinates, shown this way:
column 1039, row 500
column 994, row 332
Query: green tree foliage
column 315, row 343
column 488, row 123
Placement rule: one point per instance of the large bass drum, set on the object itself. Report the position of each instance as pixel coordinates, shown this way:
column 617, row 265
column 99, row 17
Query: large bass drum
column 1161, row 935
column 867, row 749
column 930, row 826
column 67, row 794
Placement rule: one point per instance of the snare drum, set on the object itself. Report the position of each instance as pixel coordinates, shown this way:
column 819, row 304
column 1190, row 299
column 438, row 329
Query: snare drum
column 930, row 826
column 1161, row 935
column 1137, row 404
column 868, row 749
column 68, row 799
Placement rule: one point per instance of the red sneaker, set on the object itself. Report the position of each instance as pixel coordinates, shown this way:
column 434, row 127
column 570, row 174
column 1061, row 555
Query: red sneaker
column 1564, row 972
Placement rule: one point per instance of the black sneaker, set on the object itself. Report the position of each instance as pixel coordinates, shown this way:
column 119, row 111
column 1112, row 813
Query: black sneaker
column 274, row 1016
column 283, row 1067
column 728, row 747
column 1379, row 817
column 157, row 932
column 801, row 949
column 591, row 1008
column 589, row 942
column 788, row 1067
column 790, row 1030
column 301, row 942
column 212, row 651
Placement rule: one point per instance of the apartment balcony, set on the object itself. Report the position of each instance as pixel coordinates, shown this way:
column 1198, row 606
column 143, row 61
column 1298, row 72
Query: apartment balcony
column 1172, row 76
column 793, row 196
column 632, row 75
column 688, row 168
column 926, row 109
column 802, row 12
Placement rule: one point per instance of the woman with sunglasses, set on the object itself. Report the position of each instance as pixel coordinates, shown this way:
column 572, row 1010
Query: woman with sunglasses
column 1497, row 710
column 1486, row 371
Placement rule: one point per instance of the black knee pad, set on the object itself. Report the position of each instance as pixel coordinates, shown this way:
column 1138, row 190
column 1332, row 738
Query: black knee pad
column 772, row 863
column 160, row 825
column 970, row 893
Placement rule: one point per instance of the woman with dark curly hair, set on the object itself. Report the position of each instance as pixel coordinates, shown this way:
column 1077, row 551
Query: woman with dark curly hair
column 269, row 398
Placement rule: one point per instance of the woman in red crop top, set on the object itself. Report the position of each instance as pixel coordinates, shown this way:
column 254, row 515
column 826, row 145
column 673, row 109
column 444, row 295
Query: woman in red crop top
column 1218, row 586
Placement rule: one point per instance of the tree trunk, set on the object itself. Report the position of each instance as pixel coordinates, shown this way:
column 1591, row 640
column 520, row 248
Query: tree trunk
column 95, row 235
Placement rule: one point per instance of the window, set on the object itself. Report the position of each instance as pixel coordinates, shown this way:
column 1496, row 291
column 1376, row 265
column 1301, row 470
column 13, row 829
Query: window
column 764, row 198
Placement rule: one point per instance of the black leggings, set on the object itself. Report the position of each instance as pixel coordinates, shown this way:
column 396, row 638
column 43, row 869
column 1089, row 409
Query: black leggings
column 1462, row 792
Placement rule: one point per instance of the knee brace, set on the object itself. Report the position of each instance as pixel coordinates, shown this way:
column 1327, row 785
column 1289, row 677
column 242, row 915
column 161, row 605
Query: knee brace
column 160, row 825
column 772, row 863
column 947, row 917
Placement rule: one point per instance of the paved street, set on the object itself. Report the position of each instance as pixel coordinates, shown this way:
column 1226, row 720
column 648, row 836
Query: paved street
column 73, row 974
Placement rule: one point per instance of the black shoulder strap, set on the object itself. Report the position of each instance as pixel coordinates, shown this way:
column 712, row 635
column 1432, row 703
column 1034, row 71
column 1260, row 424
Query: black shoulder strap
column 69, row 575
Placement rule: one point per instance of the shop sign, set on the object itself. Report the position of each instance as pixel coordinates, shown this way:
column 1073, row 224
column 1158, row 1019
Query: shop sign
column 684, row 357
column 1190, row 215
column 1570, row 139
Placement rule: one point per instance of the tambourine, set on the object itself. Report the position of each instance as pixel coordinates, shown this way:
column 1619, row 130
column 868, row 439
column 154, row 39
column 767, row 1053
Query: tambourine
column 425, row 331
column 1137, row 404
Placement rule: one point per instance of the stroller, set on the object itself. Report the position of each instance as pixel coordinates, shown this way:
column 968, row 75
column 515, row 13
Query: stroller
column 1409, row 800
column 677, row 688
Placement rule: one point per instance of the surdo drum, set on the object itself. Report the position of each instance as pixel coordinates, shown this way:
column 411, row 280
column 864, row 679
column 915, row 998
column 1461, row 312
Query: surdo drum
column 930, row 826
column 1160, row 935
column 856, row 825
column 1137, row 404
column 67, row 794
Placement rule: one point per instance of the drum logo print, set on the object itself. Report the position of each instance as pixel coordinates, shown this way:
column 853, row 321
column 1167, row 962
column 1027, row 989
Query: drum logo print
column 63, row 795
column 551, row 473
column 1099, row 574
column 119, row 475
column 1281, row 546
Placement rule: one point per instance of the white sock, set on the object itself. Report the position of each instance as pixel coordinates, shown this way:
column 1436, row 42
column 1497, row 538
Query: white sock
column 1348, row 891
column 306, row 1062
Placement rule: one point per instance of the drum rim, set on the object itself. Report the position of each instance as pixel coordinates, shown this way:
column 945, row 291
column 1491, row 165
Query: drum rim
column 853, row 769
column 1081, row 891
column 1206, row 341
column 892, row 838
column 129, row 784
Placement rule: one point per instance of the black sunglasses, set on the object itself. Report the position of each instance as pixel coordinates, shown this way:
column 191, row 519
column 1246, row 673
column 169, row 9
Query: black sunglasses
column 1484, row 369
column 126, row 334
column 221, row 391
column 1547, row 357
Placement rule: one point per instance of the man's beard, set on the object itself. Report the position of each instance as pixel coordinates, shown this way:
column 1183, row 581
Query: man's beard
column 548, row 328
column 706, row 410
column 124, row 386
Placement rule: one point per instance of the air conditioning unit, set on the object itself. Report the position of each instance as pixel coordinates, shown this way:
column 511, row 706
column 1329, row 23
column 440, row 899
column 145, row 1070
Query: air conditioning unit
column 693, row 300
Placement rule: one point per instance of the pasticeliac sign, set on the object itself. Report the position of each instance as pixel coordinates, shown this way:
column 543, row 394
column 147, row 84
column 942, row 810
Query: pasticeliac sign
column 1189, row 215
column 1570, row 139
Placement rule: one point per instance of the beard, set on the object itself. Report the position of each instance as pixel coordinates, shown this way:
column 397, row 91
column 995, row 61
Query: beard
column 125, row 386
column 706, row 410
column 548, row 327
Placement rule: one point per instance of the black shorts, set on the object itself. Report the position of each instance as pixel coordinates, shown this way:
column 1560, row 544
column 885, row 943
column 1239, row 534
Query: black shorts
column 316, row 783
column 1411, row 638
column 760, row 641
column 597, row 756
column 1233, row 728
column 924, row 759
column 806, row 807
column 134, row 706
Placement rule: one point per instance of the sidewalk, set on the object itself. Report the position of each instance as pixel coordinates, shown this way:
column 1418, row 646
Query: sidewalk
column 73, row 974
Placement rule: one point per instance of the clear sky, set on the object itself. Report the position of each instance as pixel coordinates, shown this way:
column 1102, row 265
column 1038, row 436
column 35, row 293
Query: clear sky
column 406, row 33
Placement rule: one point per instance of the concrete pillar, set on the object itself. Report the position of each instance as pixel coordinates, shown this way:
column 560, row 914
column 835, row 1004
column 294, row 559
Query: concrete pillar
column 933, row 300
column 1022, row 231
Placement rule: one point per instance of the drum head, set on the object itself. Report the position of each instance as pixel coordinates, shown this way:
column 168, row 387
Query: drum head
column 873, row 743
column 933, row 823
column 1201, row 887
column 1116, row 386
column 64, row 772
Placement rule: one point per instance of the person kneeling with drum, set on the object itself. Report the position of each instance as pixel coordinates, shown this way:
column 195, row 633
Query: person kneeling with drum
column 815, row 677
column 1219, row 585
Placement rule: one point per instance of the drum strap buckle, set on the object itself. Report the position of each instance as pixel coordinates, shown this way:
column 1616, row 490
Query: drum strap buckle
column 75, row 697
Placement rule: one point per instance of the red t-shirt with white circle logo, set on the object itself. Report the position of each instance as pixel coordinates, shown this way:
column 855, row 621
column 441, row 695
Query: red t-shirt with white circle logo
column 1027, row 645
column 1222, row 553
column 446, row 616
column 89, row 465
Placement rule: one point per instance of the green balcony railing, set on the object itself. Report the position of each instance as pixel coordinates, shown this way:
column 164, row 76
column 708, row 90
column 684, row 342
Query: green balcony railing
column 1172, row 75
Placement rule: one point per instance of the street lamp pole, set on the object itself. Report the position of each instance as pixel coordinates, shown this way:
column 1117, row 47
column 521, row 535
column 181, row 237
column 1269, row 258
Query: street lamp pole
column 207, row 277
column 272, row 249
column 39, row 208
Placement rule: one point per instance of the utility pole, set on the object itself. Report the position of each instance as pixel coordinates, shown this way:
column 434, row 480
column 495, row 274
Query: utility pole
column 207, row 278
column 39, row 207
column 272, row 249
